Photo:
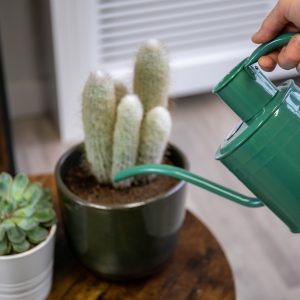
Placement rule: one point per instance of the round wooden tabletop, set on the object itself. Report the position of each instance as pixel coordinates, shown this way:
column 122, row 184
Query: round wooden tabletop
column 198, row 270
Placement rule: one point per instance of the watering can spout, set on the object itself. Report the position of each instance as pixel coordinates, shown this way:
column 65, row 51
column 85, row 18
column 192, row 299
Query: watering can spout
column 191, row 178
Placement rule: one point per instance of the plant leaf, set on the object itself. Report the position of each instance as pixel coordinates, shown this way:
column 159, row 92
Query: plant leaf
column 21, row 247
column 43, row 204
column 50, row 223
column 4, row 247
column 5, row 185
column 15, row 234
column 47, row 196
column 19, row 185
column 2, row 232
column 26, row 224
column 24, row 212
column 45, row 215
column 6, row 208
column 33, row 193
column 7, row 224
column 37, row 235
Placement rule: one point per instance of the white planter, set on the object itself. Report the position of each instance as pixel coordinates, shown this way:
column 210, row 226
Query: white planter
column 28, row 275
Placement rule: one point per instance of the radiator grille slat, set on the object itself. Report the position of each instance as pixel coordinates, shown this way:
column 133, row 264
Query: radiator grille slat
column 189, row 25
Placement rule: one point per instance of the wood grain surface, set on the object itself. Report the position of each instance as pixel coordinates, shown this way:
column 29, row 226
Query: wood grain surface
column 198, row 270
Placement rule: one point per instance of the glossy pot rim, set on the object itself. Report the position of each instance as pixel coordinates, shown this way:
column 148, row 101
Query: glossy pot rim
column 75, row 198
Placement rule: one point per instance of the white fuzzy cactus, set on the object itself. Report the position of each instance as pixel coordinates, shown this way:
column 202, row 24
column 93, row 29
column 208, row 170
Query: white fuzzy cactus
column 126, row 136
column 98, row 114
column 121, row 129
column 155, row 132
column 120, row 90
column 151, row 75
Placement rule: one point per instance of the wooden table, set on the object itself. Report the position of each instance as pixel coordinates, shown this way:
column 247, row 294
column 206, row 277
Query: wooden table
column 198, row 270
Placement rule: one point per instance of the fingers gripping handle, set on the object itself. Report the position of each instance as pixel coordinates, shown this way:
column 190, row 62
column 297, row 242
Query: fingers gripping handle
column 268, row 47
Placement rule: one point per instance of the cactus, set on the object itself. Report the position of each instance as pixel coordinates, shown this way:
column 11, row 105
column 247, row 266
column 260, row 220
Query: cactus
column 116, row 135
column 26, row 214
column 98, row 113
column 120, row 90
column 155, row 132
column 126, row 135
column 151, row 75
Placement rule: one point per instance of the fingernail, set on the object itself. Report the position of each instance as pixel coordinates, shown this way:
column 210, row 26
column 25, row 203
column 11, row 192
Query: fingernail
column 254, row 36
column 297, row 40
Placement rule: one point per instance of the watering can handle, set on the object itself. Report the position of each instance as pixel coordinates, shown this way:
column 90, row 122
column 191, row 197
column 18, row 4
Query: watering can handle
column 268, row 47
column 191, row 178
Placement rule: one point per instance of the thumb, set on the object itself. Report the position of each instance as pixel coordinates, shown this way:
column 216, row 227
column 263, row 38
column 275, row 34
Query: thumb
column 271, row 26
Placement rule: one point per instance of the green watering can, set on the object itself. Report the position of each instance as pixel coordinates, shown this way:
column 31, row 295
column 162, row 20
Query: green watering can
column 264, row 150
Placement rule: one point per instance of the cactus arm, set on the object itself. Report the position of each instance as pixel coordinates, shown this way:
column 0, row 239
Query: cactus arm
column 126, row 136
column 151, row 75
column 155, row 133
column 98, row 114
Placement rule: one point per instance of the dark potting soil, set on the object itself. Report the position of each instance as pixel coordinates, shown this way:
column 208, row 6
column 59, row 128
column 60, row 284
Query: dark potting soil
column 85, row 185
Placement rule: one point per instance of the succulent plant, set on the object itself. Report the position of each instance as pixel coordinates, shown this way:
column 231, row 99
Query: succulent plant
column 151, row 75
column 122, row 129
column 26, row 214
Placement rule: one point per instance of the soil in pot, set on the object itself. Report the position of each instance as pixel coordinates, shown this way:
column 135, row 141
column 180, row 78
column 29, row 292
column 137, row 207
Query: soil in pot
column 83, row 184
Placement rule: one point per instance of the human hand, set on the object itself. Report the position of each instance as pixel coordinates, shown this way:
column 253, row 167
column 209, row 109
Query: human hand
column 284, row 17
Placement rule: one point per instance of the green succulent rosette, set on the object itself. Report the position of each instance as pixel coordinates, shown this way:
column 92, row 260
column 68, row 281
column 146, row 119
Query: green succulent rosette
column 26, row 214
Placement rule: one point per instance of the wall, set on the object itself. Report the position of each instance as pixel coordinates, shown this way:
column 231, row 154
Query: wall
column 27, row 54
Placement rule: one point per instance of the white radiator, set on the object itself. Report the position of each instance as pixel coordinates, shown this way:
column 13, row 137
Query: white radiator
column 205, row 38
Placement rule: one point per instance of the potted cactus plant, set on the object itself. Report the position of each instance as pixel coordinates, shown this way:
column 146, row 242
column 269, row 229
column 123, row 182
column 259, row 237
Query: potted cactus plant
column 27, row 230
column 128, row 229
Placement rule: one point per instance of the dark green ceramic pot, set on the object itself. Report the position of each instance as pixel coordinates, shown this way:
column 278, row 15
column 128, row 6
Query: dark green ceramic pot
column 122, row 241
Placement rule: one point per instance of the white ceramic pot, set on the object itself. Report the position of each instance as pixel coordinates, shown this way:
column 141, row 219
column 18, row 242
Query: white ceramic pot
column 28, row 275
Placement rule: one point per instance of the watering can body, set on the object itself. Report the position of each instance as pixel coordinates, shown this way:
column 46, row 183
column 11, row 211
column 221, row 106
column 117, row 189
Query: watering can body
column 263, row 151
column 264, row 154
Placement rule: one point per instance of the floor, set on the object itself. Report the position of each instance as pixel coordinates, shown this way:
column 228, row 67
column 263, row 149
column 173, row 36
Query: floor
column 263, row 254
